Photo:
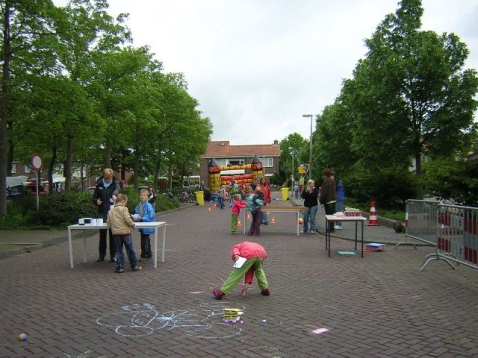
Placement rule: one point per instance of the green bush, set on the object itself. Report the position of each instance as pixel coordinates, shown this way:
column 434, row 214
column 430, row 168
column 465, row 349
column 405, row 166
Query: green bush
column 65, row 209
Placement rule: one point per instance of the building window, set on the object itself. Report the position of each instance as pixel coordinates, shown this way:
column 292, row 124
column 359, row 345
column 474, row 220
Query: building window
column 235, row 161
column 14, row 168
column 267, row 162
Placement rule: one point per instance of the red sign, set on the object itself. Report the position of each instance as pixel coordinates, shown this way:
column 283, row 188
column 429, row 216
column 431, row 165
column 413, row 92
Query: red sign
column 37, row 162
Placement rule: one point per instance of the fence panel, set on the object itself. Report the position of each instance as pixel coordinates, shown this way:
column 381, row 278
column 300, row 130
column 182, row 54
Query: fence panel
column 421, row 223
column 456, row 236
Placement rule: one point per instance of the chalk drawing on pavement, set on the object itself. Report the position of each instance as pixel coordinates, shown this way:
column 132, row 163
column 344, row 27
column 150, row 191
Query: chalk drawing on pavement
column 140, row 320
column 82, row 355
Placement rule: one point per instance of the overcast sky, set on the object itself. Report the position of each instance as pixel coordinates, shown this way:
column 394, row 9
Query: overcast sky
column 256, row 66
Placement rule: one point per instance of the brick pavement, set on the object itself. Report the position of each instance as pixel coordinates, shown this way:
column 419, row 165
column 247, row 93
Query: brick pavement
column 378, row 306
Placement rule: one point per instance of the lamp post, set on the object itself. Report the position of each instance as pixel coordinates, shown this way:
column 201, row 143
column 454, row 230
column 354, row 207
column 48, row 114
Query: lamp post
column 310, row 140
column 292, row 152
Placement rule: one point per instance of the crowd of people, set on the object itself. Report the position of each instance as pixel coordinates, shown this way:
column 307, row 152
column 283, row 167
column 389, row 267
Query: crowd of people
column 248, row 256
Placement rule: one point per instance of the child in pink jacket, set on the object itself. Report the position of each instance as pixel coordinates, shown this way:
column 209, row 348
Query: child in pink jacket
column 235, row 211
column 255, row 255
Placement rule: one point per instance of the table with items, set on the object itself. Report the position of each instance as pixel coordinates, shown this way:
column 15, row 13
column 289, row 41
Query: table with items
column 139, row 225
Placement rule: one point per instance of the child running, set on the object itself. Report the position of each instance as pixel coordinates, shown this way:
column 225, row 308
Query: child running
column 235, row 211
column 120, row 222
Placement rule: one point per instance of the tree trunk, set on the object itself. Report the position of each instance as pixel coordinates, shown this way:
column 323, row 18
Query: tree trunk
column 4, row 111
column 68, row 161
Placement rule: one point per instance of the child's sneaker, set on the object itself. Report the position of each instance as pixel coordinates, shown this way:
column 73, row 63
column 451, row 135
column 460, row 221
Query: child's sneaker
column 137, row 268
column 265, row 292
column 218, row 294
column 118, row 270
column 143, row 259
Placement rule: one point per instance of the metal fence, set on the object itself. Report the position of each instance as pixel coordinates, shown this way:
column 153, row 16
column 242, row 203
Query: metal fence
column 420, row 222
column 452, row 229
column 456, row 236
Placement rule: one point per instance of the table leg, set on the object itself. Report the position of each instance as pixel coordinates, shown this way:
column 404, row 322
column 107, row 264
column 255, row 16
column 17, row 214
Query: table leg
column 70, row 248
column 155, row 248
column 356, row 227
column 362, row 242
column 163, row 252
column 84, row 249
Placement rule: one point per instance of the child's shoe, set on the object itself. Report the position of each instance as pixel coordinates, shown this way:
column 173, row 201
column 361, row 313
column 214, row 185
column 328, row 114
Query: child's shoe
column 218, row 294
column 265, row 292
column 137, row 268
column 118, row 270
column 143, row 259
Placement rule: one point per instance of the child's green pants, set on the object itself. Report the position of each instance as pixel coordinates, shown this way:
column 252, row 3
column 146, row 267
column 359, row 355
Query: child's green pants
column 237, row 273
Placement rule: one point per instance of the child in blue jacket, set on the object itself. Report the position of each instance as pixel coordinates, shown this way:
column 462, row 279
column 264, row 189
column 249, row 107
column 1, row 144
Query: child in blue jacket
column 145, row 213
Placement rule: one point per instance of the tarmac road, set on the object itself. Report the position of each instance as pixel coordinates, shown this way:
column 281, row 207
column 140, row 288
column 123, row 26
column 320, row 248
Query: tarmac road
column 342, row 306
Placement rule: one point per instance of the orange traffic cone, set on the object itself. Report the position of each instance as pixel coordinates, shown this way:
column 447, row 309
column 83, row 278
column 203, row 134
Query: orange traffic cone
column 248, row 216
column 239, row 223
column 273, row 221
column 372, row 219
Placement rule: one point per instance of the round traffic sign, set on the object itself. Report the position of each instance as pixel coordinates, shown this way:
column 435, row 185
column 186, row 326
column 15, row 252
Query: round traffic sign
column 37, row 162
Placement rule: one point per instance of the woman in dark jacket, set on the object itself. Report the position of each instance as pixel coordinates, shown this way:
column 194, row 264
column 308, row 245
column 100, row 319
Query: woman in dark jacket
column 310, row 195
column 104, row 197
column 328, row 196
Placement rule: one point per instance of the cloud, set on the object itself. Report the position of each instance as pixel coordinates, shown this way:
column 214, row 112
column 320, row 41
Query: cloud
column 256, row 66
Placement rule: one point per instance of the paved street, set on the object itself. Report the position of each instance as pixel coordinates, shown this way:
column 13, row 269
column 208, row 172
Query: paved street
column 342, row 306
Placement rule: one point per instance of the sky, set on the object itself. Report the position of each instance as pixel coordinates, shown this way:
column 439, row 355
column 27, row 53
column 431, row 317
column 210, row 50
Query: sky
column 257, row 66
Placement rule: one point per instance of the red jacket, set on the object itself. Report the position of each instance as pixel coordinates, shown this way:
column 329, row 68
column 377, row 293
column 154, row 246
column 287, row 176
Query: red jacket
column 236, row 208
column 248, row 250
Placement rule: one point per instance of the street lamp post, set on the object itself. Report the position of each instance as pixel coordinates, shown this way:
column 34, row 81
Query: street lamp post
column 292, row 151
column 310, row 140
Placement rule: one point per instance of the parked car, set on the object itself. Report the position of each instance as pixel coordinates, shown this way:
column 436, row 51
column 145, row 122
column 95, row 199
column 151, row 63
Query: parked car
column 31, row 189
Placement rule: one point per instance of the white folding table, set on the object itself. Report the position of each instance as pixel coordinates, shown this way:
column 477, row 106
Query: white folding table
column 331, row 219
column 139, row 225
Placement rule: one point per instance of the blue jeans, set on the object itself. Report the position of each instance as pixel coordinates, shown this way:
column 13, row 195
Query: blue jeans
column 221, row 202
column 339, row 207
column 127, row 241
column 309, row 216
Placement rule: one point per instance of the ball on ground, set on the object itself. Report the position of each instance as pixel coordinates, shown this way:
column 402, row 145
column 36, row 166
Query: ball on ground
column 22, row 337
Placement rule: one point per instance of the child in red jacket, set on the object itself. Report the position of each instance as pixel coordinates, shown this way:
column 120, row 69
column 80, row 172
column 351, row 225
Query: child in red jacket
column 235, row 211
column 254, row 255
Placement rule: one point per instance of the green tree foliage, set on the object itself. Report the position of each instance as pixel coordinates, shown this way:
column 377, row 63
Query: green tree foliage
column 81, row 94
column 293, row 144
column 410, row 97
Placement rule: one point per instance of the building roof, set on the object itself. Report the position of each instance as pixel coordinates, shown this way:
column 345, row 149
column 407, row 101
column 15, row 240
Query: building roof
column 222, row 149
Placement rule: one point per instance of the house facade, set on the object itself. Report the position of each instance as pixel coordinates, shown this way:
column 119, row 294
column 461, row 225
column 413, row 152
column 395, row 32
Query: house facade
column 235, row 159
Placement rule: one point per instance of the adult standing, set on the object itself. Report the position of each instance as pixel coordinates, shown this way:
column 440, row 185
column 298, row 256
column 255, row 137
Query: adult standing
column 254, row 203
column 328, row 196
column 152, row 197
column 266, row 190
column 310, row 195
column 339, row 206
column 106, row 190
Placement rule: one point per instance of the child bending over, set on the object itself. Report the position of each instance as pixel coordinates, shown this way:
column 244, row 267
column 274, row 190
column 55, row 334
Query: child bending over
column 255, row 255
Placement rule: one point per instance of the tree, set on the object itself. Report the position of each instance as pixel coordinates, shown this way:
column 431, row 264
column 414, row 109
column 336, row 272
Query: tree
column 410, row 97
column 293, row 145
